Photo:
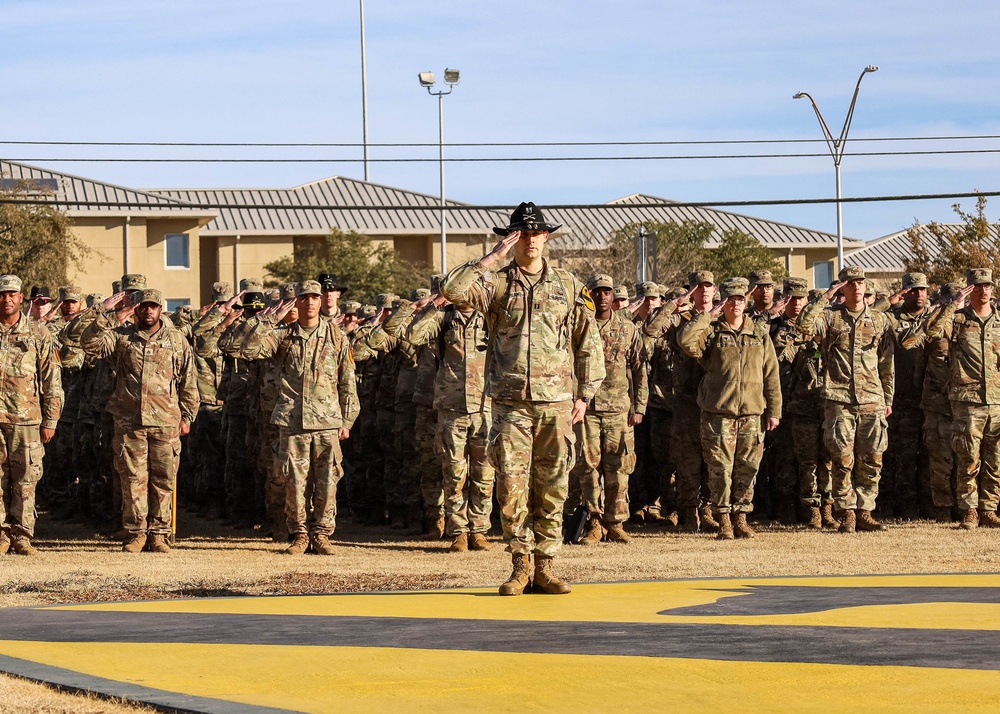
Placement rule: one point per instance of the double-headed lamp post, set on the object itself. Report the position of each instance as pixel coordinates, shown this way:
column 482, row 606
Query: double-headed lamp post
column 427, row 81
column 836, row 147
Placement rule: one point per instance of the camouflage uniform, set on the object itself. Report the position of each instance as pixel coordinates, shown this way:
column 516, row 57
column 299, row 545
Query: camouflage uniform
column 858, row 384
column 317, row 397
column 463, row 415
column 31, row 397
column 544, row 351
column 740, row 388
column 156, row 388
column 607, row 444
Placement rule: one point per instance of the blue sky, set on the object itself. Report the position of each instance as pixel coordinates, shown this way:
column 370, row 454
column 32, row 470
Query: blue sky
column 248, row 71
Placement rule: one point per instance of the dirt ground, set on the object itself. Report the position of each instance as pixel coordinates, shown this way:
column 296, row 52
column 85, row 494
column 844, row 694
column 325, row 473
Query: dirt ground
column 211, row 561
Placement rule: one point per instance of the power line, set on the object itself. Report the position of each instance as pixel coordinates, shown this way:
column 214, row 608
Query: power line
column 499, row 207
column 706, row 142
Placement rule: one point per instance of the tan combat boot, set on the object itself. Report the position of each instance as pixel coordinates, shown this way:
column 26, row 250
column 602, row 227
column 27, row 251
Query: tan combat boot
column 708, row 522
column 4, row 543
column 988, row 519
column 477, row 541
column 848, row 521
column 158, row 543
column 595, row 531
column 815, row 518
column 436, row 529
column 826, row 513
column 320, row 544
column 21, row 545
column 546, row 581
column 866, row 523
column 135, row 543
column 519, row 578
column 460, row 544
column 742, row 529
column 687, row 520
column 298, row 546
column 725, row 527
column 970, row 520
column 616, row 534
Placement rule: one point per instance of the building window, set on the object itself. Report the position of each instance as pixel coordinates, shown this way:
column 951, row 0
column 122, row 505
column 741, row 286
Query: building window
column 174, row 303
column 822, row 273
column 177, row 252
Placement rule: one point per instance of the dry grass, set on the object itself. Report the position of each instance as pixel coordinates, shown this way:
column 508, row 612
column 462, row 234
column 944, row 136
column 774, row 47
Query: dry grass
column 76, row 567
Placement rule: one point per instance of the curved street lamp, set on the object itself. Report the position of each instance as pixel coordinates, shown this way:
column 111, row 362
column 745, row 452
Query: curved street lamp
column 836, row 147
column 427, row 81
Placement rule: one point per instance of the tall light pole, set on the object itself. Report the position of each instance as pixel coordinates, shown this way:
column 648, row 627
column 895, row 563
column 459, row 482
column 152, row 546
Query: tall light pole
column 427, row 81
column 836, row 147
column 364, row 93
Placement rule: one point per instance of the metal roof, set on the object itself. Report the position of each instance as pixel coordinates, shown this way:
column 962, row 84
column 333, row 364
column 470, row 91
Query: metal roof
column 888, row 254
column 77, row 192
column 591, row 228
column 310, row 209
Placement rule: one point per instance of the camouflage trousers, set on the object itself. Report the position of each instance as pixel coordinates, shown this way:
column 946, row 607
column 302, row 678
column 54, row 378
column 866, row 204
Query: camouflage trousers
column 385, row 425
column 275, row 485
column 605, row 458
column 467, row 474
column 777, row 476
column 903, row 478
column 60, row 480
column 404, row 428
column 651, row 481
column 815, row 470
column 975, row 440
column 21, row 456
column 311, row 465
column 531, row 448
column 146, row 458
column 940, row 458
column 240, row 467
column 732, row 449
column 855, row 437
column 375, row 464
column 685, row 445
column 210, row 485
column 430, row 464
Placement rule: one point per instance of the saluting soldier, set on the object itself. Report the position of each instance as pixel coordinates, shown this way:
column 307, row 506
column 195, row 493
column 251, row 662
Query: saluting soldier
column 544, row 366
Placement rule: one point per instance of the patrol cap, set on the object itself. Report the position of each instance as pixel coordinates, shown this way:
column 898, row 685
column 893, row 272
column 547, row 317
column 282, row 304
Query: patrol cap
column 70, row 293
column 149, row 295
column 650, row 289
column 397, row 303
column 600, row 281
column 94, row 298
column 621, row 292
column 869, row 289
column 367, row 311
column 674, row 293
column 851, row 272
column 385, row 300
column 701, row 276
column 979, row 276
column 351, row 307
column 950, row 290
column 133, row 281
column 419, row 294
column 914, row 280
column 734, row 287
column 761, row 277
column 273, row 296
column 436, row 281
column 116, row 287
column 816, row 294
column 222, row 292
column 10, row 284
column 40, row 293
column 796, row 287
column 308, row 287
column 287, row 291
column 184, row 315
column 252, row 285
column 254, row 300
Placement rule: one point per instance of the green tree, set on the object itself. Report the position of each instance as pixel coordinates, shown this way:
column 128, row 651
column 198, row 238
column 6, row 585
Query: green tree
column 36, row 240
column 738, row 254
column 367, row 268
column 945, row 252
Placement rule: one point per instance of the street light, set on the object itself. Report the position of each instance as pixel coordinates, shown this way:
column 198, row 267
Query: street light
column 836, row 147
column 427, row 81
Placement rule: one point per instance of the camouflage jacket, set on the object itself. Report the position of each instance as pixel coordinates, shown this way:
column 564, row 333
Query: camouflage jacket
column 30, row 379
column 155, row 380
column 669, row 360
column 974, row 352
column 800, row 369
column 741, row 368
column 625, row 387
column 544, row 345
column 933, row 372
column 857, row 353
column 317, row 388
column 462, row 341
column 907, row 387
column 214, row 342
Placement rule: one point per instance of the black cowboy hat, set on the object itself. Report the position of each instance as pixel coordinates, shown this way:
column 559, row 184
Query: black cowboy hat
column 527, row 217
column 329, row 281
